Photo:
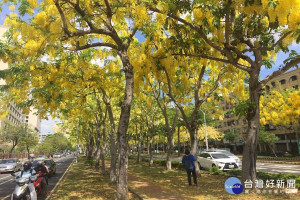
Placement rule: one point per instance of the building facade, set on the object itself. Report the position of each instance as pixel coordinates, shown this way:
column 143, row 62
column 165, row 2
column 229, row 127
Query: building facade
column 15, row 114
column 287, row 137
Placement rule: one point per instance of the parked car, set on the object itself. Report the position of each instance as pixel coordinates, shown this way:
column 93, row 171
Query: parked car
column 41, row 157
column 228, row 153
column 57, row 155
column 51, row 166
column 35, row 162
column 216, row 159
column 10, row 165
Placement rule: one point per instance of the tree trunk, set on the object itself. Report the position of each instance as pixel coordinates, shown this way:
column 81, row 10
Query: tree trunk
column 113, row 146
column 169, row 150
column 12, row 149
column 271, row 147
column 138, row 159
column 151, row 146
column 28, row 152
column 178, row 143
column 250, row 145
column 194, row 147
column 122, row 185
column 97, row 153
column 102, row 158
column 91, row 147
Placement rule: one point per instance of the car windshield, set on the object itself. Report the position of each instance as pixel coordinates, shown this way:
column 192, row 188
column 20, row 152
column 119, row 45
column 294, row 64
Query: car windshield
column 219, row 155
column 227, row 153
column 48, row 162
column 5, row 161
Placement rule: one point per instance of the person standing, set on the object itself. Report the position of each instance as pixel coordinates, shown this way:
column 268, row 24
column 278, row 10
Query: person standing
column 189, row 165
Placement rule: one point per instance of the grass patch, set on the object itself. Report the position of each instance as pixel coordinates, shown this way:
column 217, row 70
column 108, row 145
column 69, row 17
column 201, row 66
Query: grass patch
column 209, row 186
column 84, row 182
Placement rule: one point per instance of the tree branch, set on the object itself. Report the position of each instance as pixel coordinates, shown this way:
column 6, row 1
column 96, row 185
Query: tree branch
column 197, row 29
column 233, row 62
column 276, row 43
column 97, row 44
column 294, row 62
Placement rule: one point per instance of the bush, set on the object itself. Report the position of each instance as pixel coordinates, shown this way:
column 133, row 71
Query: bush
column 177, row 165
column 90, row 162
column 160, row 162
column 216, row 171
column 287, row 155
column 267, row 176
column 234, row 172
column 145, row 159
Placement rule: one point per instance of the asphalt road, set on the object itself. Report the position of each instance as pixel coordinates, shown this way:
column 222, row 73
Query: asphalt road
column 264, row 167
column 7, row 185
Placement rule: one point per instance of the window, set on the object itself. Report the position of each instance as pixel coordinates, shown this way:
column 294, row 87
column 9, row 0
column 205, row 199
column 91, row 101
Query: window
column 294, row 78
column 282, row 82
column 273, row 84
column 267, row 88
column 295, row 87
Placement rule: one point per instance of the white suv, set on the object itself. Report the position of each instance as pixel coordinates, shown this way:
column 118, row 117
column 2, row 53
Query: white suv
column 216, row 159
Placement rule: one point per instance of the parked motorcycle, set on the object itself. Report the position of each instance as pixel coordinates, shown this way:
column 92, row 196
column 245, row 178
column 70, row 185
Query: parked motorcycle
column 22, row 191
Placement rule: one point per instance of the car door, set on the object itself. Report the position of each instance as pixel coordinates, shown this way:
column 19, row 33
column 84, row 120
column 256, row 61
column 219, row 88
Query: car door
column 201, row 159
column 204, row 162
column 208, row 160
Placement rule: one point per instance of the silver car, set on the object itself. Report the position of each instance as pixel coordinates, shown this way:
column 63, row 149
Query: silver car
column 10, row 165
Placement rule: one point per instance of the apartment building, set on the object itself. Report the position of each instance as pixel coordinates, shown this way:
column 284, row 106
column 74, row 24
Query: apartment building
column 15, row 114
column 288, row 137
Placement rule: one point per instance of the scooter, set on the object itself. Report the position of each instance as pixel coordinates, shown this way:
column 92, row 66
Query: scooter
column 22, row 191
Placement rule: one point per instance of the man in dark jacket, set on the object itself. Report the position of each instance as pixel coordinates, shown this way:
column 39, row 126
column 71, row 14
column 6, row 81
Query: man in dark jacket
column 189, row 162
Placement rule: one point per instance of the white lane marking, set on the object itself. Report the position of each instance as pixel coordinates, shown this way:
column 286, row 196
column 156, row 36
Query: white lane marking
column 4, row 177
column 6, row 181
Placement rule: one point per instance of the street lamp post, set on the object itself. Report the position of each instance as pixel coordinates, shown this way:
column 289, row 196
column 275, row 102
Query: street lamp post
column 206, row 142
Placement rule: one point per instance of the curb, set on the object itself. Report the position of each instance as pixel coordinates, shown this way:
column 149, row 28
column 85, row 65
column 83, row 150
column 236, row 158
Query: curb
column 53, row 190
column 279, row 162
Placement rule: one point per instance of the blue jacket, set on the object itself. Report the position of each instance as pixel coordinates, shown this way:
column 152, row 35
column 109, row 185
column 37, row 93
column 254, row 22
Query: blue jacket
column 191, row 158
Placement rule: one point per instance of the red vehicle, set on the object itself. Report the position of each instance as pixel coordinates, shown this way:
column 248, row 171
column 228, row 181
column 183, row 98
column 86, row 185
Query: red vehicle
column 38, row 183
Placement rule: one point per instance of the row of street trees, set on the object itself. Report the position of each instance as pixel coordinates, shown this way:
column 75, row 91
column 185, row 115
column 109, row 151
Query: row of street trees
column 81, row 60
column 21, row 138
column 17, row 135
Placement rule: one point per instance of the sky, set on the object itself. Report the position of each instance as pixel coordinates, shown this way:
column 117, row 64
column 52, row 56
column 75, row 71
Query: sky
column 48, row 124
